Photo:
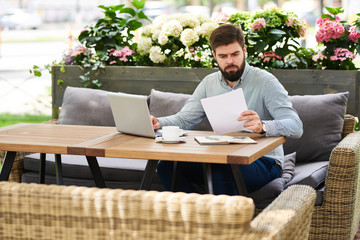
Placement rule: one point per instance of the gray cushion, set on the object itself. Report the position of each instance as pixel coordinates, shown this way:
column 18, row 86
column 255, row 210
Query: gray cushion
column 323, row 119
column 265, row 195
column 167, row 103
column 312, row 174
column 84, row 106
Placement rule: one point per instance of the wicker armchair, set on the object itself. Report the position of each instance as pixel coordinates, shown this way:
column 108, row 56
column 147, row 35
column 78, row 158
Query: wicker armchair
column 338, row 216
column 33, row 211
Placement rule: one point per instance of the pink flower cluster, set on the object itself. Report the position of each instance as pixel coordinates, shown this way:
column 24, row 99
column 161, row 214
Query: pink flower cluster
column 121, row 54
column 293, row 22
column 77, row 51
column 320, row 21
column 353, row 34
column 319, row 56
column 342, row 54
column 329, row 30
column 258, row 24
column 270, row 55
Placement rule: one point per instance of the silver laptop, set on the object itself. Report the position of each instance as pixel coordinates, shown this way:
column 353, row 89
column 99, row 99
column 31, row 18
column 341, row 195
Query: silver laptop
column 131, row 114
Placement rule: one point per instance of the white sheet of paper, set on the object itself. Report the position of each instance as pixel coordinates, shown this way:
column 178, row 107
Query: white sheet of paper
column 224, row 110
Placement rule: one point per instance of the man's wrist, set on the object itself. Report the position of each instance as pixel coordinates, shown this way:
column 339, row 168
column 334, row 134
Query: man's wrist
column 263, row 129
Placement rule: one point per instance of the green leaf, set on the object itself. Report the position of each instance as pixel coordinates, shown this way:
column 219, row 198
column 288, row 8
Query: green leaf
column 141, row 15
column 62, row 69
column 35, row 67
column 323, row 16
column 277, row 31
column 335, row 11
column 282, row 52
column 138, row 4
column 37, row 73
column 60, row 82
column 260, row 46
column 130, row 11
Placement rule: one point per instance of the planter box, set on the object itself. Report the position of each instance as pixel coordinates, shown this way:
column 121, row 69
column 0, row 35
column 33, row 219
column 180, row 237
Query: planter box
column 136, row 80
column 140, row 80
column 314, row 82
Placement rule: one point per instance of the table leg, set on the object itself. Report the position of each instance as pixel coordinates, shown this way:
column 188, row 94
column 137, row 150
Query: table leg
column 208, row 178
column 7, row 165
column 239, row 180
column 96, row 172
column 58, row 169
column 175, row 176
column 42, row 168
column 148, row 174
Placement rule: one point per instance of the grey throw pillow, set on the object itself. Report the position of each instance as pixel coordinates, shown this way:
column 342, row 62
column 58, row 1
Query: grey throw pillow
column 323, row 119
column 167, row 103
column 84, row 106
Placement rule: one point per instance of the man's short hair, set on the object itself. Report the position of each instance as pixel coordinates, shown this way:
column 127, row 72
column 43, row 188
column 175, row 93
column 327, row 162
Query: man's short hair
column 226, row 34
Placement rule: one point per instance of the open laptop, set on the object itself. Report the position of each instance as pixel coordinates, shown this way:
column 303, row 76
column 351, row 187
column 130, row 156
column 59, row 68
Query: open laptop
column 131, row 114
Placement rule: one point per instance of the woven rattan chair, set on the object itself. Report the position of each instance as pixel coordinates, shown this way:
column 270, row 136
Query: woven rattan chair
column 34, row 211
column 337, row 217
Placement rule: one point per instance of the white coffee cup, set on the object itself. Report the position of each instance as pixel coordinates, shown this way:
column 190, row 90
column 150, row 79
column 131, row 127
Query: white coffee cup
column 170, row 133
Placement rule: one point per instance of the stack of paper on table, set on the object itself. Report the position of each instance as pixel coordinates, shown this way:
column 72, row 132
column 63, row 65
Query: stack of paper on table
column 220, row 140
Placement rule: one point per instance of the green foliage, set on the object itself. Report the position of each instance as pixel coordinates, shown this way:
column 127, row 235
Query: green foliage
column 113, row 32
column 271, row 36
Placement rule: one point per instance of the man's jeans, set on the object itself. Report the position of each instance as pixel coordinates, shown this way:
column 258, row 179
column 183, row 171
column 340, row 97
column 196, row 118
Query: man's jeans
column 255, row 175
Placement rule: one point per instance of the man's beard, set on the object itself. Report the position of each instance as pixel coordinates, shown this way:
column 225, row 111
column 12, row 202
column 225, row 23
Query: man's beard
column 233, row 76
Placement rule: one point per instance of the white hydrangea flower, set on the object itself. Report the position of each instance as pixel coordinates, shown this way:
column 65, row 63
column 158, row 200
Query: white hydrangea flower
column 163, row 38
column 189, row 37
column 172, row 28
column 155, row 34
column 188, row 20
column 144, row 45
column 156, row 55
column 160, row 20
column 147, row 31
column 202, row 18
column 206, row 29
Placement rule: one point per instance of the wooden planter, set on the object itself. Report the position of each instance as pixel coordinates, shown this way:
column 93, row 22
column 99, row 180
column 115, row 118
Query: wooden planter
column 140, row 80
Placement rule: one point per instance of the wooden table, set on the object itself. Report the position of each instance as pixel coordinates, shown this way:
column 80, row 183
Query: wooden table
column 94, row 141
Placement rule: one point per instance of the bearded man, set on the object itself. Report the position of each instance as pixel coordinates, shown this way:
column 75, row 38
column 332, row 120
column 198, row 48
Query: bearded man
column 270, row 113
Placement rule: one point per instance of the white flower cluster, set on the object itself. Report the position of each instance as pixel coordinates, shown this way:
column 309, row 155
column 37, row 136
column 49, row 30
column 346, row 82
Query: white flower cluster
column 165, row 29
column 156, row 55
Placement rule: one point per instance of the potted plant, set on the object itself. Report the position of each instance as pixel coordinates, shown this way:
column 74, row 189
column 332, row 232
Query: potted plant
column 272, row 37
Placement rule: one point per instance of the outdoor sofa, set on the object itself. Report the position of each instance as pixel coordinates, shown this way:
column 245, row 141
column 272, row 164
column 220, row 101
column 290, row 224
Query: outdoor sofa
column 326, row 157
column 42, row 212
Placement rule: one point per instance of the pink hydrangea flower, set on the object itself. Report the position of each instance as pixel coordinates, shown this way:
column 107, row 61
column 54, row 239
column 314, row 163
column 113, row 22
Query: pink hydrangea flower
column 258, row 24
column 320, row 21
column 122, row 54
column 270, row 55
column 329, row 30
column 342, row 54
column 353, row 34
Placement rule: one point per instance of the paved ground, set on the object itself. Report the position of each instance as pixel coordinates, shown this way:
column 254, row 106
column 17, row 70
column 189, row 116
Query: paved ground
column 21, row 92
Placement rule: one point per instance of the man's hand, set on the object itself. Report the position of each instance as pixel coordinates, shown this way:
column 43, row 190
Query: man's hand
column 155, row 122
column 253, row 121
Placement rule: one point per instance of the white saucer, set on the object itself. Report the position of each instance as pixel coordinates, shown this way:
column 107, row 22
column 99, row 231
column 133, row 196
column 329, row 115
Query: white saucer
column 161, row 140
